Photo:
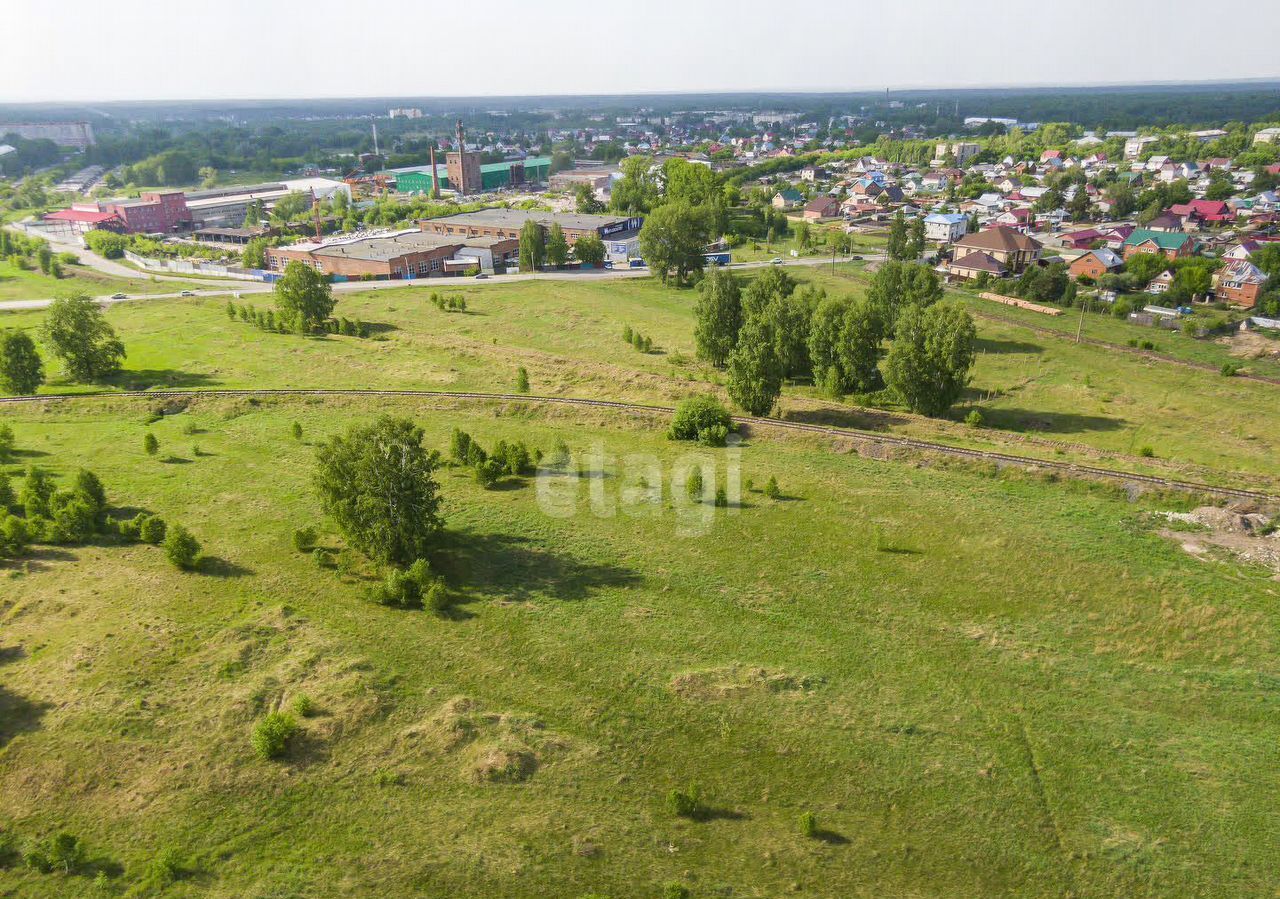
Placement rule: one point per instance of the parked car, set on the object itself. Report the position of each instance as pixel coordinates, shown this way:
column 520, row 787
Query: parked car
column 775, row 261
column 481, row 276
column 118, row 296
column 188, row 293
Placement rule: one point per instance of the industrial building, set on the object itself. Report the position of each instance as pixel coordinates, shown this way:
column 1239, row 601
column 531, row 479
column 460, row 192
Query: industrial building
column 620, row 233
column 166, row 212
column 398, row 255
column 492, row 176
column 500, row 222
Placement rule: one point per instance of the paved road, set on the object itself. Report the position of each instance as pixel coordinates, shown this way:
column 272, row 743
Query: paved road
column 246, row 288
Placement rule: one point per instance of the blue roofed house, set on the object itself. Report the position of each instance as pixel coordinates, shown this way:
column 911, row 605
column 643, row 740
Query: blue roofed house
column 946, row 227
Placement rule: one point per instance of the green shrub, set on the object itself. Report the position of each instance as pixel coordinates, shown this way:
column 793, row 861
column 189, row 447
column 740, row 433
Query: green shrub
column 150, row 444
column 74, row 519
column 412, row 588
column 165, row 869
column 522, row 380
column 685, row 803
column 693, row 485
column 181, row 548
column 675, row 890
column 488, row 473
column 324, row 558
column 304, row 539
column 271, row 735
column 152, row 529
column 296, row 430
column 303, row 706
column 771, row 488
column 722, row 498
column 974, row 419
column 60, row 852
column 1230, row 369
column 559, row 455
column 6, row 443
column 808, row 825
column 1147, row 452
column 701, row 418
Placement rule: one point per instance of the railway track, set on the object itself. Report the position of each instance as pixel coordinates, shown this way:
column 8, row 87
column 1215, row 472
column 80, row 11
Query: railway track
column 757, row 421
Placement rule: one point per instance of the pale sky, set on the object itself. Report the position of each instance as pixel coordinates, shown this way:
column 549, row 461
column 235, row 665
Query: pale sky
column 86, row 50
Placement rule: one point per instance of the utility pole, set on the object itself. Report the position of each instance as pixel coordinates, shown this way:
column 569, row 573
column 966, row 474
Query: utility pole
column 1080, row 327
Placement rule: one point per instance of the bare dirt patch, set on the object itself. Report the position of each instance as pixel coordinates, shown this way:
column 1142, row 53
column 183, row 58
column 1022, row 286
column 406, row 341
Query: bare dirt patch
column 1243, row 532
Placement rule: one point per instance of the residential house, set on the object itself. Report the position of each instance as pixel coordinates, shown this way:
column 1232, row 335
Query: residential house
column 823, row 207
column 1160, row 283
column 971, row 265
column 1012, row 249
column 1019, row 217
column 787, row 198
column 1082, row 240
column 1170, row 244
column 1242, row 251
column 1239, row 283
column 945, row 227
column 935, row 181
column 1094, row 264
column 1267, row 136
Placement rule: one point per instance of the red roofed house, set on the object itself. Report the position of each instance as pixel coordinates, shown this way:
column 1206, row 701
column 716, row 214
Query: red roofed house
column 1083, row 240
column 821, row 208
column 1203, row 211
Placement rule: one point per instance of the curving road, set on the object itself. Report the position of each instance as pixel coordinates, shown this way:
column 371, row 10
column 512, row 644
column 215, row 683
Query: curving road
column 759, row 421
column 207, row 288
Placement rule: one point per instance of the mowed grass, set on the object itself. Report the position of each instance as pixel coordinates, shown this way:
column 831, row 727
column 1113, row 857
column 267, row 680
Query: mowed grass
column 1040, row 395
column 20, row 284
column 980, row 685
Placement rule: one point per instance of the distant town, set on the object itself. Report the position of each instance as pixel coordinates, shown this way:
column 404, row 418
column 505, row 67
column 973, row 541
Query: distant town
column 995, row 197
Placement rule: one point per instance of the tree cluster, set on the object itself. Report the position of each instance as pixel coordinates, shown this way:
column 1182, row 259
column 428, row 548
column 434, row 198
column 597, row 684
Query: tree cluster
column 770, row 331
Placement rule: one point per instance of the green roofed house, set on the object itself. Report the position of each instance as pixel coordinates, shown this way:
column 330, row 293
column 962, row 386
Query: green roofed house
column 1170, row 244
column 493, row 176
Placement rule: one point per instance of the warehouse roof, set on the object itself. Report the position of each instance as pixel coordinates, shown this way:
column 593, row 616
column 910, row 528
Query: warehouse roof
column 515, row 218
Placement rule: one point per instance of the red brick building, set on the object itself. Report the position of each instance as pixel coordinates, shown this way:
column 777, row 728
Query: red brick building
column 155, row 212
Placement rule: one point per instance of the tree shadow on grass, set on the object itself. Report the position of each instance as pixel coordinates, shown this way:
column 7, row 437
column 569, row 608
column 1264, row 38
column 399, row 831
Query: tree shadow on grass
column 519, row 568
column 216, row 566
column 18, row 715
column 830, row 837
column 11, row 654
column 148, row 378
column 859, row 419
column 1004, row 347
column 716, row 813
column 1037, row 421
column 378, row 328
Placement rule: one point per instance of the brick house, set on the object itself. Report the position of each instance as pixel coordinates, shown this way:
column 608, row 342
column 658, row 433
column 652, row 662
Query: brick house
column 1094, row 264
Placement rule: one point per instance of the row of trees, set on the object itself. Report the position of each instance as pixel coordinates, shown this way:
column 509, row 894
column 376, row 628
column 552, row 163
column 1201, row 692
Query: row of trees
column 539, row 248
column 770, row 331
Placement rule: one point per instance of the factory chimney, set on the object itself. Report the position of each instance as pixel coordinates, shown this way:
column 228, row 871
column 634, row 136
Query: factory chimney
column 435, row 177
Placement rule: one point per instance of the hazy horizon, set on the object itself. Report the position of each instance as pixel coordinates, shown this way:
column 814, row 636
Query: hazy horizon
column 262, row 51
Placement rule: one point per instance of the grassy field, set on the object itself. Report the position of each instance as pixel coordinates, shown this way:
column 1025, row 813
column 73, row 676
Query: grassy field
column 1095, row 718
column 20, row 284
column 1039, row 395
